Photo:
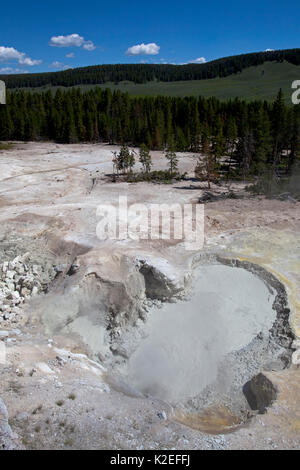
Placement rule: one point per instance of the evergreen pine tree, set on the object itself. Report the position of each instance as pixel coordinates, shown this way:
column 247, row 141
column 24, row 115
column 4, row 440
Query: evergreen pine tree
column 145, row 159
column 172, row 158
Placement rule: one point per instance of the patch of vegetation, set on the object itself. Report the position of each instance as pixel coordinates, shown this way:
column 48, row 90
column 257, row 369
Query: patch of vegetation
column 37, row 409
column 124, row 161
column 14, row 387
column 60, row 403
column 6, row 146
column 271, row 186
column 157, row 176
column 69, row 442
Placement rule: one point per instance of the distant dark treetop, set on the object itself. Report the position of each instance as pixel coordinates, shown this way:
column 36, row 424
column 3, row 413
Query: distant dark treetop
column 142, row 73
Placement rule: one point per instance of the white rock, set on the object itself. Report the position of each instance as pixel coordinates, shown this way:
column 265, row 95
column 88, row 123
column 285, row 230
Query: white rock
column 4, row 307
column 23, row 416
column 14, row 295
column 43, row 367
column 16, row 331
column 25, row 292
column 25, row 256
column 35, row 290
column 10, row 286
column 296, row 357
column 28, row 280
column 20, row 269
column 162, row 415
column 15, row 311
column 36, row 269
column 10, row 274
column 5, row 266
column 296, row 344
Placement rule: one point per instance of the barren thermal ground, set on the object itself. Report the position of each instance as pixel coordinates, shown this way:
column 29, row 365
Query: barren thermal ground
column 142, row 342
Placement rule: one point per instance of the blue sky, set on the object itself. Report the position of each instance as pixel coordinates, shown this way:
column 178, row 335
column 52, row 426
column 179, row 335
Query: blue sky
column 38, row 35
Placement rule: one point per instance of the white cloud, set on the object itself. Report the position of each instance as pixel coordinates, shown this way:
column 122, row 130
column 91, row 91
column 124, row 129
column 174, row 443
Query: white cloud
column 144, row 49
column 59, row 65
column 71, row 55
column 10, row 53
column 72, row 40
column 56, row 64
column 28, row 61
column 7, row 70
column 89, row 46
column 269, row 50
column 200, row 60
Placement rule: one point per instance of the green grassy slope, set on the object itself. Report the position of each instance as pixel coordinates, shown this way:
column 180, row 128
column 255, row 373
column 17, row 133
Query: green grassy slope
column 257, row 82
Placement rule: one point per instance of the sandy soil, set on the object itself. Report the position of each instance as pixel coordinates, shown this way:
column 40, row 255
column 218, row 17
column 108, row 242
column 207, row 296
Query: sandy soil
column 49, row 195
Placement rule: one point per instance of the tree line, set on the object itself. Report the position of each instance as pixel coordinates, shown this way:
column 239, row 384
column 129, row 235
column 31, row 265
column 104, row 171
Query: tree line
column 142, row 73
column 252, row 137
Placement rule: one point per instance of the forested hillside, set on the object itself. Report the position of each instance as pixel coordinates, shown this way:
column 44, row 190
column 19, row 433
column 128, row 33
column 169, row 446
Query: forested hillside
column 256, row 135
column 143, row 73
column 260, row 82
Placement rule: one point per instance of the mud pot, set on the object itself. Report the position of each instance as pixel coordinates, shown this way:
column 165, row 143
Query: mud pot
column 197, row 352
column 201, row 354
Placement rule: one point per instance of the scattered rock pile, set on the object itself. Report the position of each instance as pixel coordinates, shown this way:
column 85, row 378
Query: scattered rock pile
column 20, row 280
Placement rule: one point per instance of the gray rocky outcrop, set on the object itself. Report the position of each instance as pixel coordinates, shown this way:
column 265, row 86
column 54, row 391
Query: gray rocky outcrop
column 7, row 438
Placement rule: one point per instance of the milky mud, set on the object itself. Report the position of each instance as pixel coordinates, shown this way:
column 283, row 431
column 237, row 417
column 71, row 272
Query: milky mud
column 187, row 341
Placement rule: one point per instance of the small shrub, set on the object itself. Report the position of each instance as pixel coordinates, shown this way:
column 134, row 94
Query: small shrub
column 36, row 410
column 6, row 146
column 69, row 442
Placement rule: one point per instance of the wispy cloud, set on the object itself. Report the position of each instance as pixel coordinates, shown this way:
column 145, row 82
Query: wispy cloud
column 8, row 54
column 70, row 55
column 199, row 60
column 8, row 70
column 59, row 65
column 72, row 40
column 143, row 49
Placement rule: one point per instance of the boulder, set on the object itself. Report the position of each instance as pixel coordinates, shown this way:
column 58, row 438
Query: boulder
column 7, row 439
